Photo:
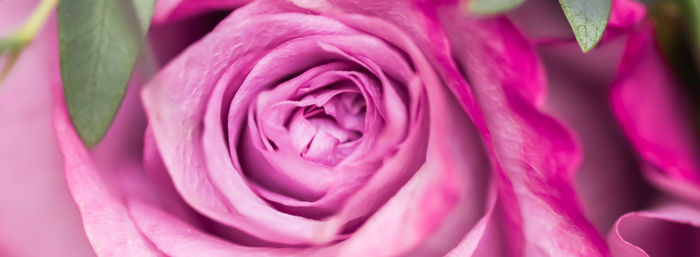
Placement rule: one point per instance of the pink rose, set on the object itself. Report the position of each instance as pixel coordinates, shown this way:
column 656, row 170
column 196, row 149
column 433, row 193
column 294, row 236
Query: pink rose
column 385, row 128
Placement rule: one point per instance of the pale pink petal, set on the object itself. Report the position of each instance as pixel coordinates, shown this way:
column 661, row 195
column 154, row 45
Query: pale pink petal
column 432, row 211
column 202, row 70
column 180, row 239
column 107, row 222
column 101, row 178
column 442, row 182
column 37, row 215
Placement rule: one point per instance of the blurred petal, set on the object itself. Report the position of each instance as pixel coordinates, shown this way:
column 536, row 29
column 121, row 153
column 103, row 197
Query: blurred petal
column 626, row 15
column 167, row 40
column 579, row 84
column 37, row 216
column 535, row 153
column 171, row 10
column 544, row 21
column 656, row 117
column 671, row 230
column 608, row 182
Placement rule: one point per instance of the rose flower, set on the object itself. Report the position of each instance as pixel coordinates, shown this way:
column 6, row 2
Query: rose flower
column 388, row 128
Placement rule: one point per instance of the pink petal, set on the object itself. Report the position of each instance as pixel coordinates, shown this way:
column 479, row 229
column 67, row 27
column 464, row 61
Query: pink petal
column 545, row 24
column 535, row 153
column 101, row 178
column 171, row 10
column 436, row 207
column 180, row 239
column 579, row 86
column 203, row 64
column 237, row 205
column 107, row 222
column 648, row 103
column 608, row 182
column 37, row 215
column 670, row 230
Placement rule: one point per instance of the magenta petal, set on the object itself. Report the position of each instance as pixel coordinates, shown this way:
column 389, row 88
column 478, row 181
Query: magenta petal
column 579, row 84
column 536, row 153
column 171, row 10
column 545, row 24
column 625, row 16
column 656, row 117
column 579, row 95
column 671, row 230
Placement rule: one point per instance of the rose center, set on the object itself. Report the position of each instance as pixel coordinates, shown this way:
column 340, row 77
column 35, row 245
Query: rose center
column 322, row 124
column 332, row 129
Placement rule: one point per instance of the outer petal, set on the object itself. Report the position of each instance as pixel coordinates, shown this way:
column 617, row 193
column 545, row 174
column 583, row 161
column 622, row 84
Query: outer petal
column 100, row 179
column 579, row 86
column 37, row 215
column 486, row 238
column 609, row 181
column 656, row 118
column 106, row 219
column 545, row 24
column 169, row 10
column 537, row 155
column 671, row 230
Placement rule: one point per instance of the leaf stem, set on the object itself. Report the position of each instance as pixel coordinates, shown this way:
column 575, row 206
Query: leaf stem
column 16, row 42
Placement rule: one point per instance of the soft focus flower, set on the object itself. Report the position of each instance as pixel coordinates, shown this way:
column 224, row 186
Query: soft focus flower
column 388, row 128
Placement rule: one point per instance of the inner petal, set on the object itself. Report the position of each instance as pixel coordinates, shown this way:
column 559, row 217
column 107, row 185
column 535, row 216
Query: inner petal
column 292, row 119
column 325, row 125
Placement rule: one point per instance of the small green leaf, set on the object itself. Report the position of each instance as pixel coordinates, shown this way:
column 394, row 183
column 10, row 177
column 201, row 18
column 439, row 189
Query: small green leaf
column 588, row 19
column 99, row 41
column 492, row 6
column 10, row 51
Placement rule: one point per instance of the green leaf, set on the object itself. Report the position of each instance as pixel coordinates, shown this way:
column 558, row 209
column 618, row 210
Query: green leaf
column 693, row 9
column 588, row 19
column 492, row 6
column 99, row 41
